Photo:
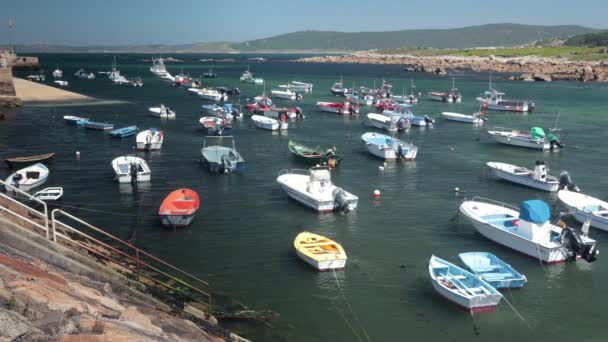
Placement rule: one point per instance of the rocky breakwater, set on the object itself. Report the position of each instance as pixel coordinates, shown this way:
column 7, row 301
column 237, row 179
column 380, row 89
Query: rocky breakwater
column 529, row 68
column 8, row 98
column 39, row 302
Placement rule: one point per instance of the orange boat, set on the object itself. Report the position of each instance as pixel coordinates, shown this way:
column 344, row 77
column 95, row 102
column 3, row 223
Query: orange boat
column 179, row 208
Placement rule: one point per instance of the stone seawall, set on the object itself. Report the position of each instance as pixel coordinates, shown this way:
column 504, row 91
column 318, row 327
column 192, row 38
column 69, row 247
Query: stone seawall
column 8, row 98
column 525, row 68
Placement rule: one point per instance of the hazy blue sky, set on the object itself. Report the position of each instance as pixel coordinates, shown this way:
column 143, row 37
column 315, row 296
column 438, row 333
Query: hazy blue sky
column 83, row 22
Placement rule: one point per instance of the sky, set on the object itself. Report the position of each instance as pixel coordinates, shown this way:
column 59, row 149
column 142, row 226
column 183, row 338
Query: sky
column 127, row 22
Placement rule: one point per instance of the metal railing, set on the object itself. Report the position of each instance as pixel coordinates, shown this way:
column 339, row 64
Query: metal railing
column 24, row 209
column 134, row 262
column 494, row 202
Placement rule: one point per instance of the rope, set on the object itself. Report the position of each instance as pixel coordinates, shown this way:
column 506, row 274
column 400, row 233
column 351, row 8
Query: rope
column 517, row 313
column 346, row 321
column 97, row 211
column 349, row 307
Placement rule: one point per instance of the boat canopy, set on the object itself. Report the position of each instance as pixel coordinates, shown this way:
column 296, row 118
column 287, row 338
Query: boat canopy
column 537, row 133
column 535, row 211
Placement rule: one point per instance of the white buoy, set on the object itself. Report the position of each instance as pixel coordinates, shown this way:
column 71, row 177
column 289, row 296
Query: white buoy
column 457, row 189
column 381, row 168
column 385, row 164
column 376, row 193
column 77, row 154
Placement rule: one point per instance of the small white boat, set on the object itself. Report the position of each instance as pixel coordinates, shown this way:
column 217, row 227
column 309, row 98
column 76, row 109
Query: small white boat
column 584, row 207
column 315, row 190
column 537, row 178
column 528, row 230
column 494, row 271
column 344, row 108
column 474, row 118
column 295, row 85
column 387, row 123
column 268, row 123
column 75, row 120
column 49, row 194
column 211, row 95
column 149, row 140
column 28, row 178
column 247, row 77
column 462, row 287
column 286, row 94
column 536, row 139
column 320, row 252
column 162, row 112
column 57, row 73
column 389, row 148
column 131, row 169
column 61, row 83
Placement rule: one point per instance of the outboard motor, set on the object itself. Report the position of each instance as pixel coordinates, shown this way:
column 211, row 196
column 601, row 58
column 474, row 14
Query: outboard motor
column 400, row 151
column 576, row 247
column 299, row 113
column 565, row 182
column 226, row 165
column 428, row 121
column 540, row 171
column 554, row 142
column 401, row 124
column 340, row 199
column 133, row 172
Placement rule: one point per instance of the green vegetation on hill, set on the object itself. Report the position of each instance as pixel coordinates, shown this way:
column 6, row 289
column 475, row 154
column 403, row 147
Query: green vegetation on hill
column 570, row 52
column 466, row 37
column 589, row 39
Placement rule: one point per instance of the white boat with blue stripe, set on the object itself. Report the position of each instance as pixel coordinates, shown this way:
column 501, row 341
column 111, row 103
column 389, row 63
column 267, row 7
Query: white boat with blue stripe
column 389, row 148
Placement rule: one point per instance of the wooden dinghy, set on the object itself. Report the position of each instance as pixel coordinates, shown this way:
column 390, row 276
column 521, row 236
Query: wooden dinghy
column 24, row 161
column 319, row 252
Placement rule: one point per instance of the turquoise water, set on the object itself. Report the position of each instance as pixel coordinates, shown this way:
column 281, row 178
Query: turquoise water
column 241, row 240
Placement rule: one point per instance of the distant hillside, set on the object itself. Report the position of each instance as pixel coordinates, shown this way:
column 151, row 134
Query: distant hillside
column 466, row 37
column 589, row 39
column 217, row 47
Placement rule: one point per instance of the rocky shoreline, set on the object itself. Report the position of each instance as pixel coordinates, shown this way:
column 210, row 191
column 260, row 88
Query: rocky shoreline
column 529, row 68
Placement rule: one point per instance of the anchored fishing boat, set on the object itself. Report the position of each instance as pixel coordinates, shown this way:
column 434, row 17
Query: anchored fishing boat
column 528, row 230
column 493, row 100
column 268, row 123
column 131, row 169
column 75, row 120
column 338, row 89
column 320, row 252
column 163, row 112
column 99, row 126
column 536, row 139
column 149, row 140
column 451, row 96
column 158, row 67
column 461, row 287
column 226, row 111
column 260, row 104
column 389, row 148
column 247, row 77
column 315, row 156
column 286, row 94
column 215, row 126
column 28, row 178
column 24, row 161
column 222, row 159
column 295, row 85
column 211, row 94
column 475, row 118
column 179, row 208
column 586, row 208
column 345, row 108
column 315, row 190
column 61, row 83
column 387, row 123
column 82, row 74
column 494, row 271
column 537, row 178
column 405, row 111
column 124, row 132
column 57, row 73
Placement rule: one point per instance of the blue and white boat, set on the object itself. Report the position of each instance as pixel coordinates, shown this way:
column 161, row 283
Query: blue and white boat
column 462, row 287
column 493, row 270
column 226, row 111
column 100, row 126
column 222, row 159
column 405, row 111
column 528, row 230
column 389, row 148
column 124, row 132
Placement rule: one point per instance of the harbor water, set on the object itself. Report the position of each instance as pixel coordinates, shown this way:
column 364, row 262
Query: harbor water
column 242, row 238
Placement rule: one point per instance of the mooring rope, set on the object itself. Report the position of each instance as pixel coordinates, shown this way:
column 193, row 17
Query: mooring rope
column 349, row 307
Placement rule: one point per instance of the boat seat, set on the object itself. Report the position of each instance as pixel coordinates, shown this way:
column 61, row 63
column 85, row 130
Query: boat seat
column 316, row 243
column 497, row 276
column 477, row 290
column 487, row 268
column 501, row 219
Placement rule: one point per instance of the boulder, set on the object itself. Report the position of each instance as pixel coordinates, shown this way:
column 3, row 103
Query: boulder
column 587, row 74
column 538, row 77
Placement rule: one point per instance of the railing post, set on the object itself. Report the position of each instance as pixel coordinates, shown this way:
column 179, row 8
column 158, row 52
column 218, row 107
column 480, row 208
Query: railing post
column 137, row 263
column 53, row 225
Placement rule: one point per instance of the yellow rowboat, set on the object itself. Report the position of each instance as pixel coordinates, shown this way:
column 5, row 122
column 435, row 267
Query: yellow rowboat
column 319, row 251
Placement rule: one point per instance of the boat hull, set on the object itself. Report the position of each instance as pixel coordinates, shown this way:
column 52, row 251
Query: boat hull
column 461, row 118
column 524, row 180
column 473, row 305
column 521, row 142
column 309, row 201
column 324, row 265
column 177, row 221
column 515, row 242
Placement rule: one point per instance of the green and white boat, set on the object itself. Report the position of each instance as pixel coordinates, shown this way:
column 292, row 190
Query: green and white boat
column 315, row 156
